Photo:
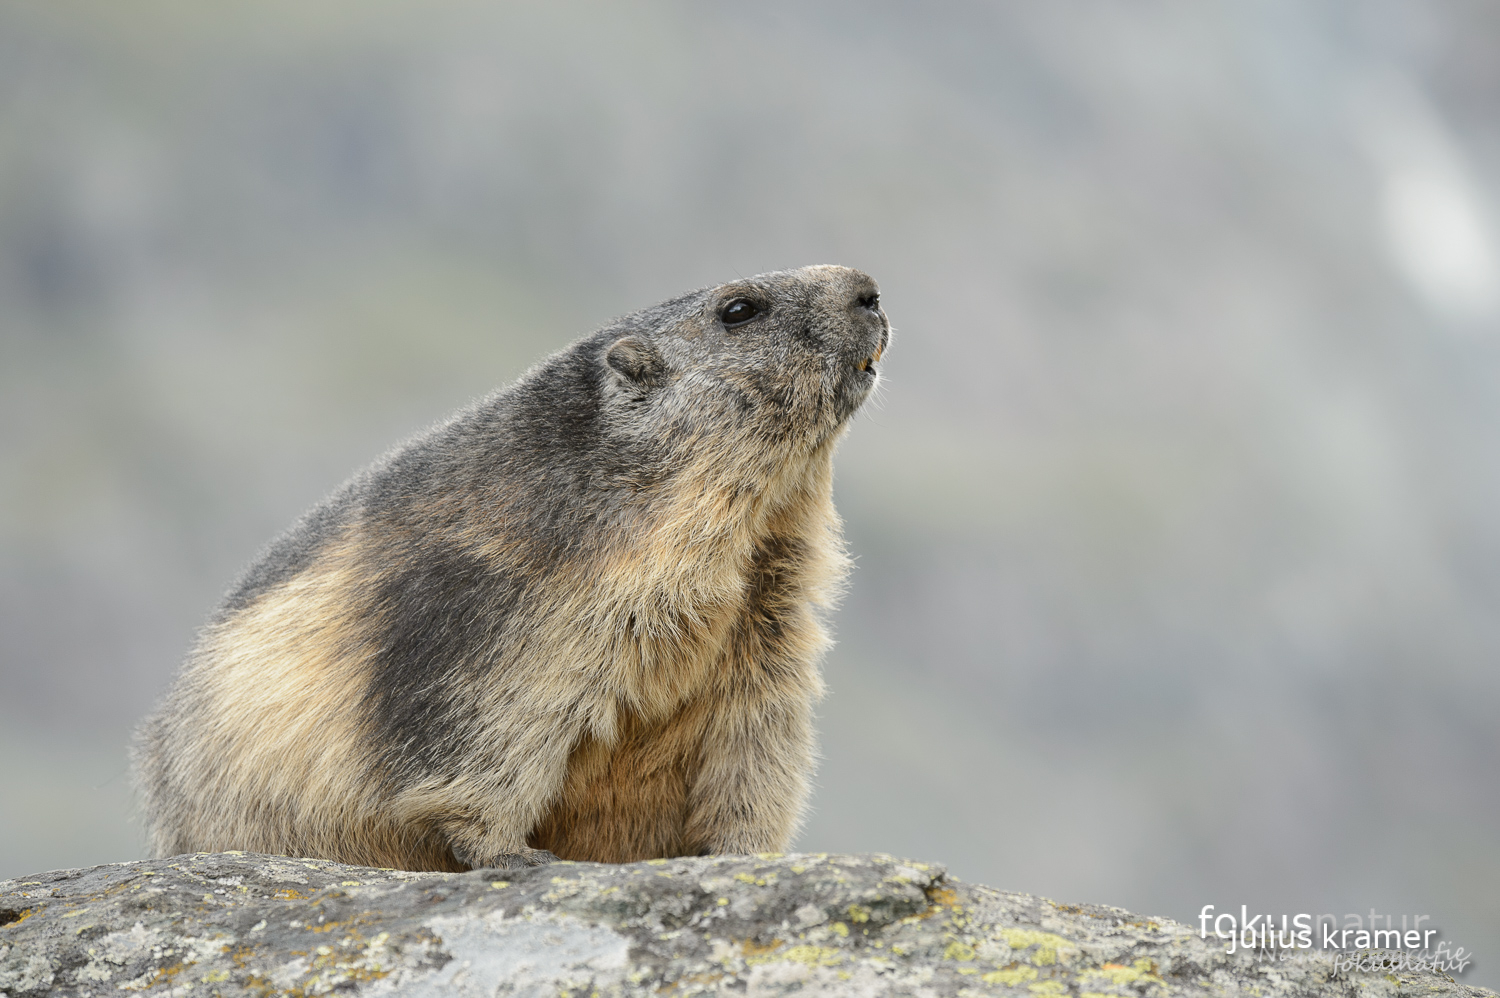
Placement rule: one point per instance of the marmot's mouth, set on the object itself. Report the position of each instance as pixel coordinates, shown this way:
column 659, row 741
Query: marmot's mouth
column 868, row 363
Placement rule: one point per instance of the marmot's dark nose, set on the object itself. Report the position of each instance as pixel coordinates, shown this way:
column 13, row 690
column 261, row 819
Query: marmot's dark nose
column 862, row 291
column 872, row 331
column 859, row 327
column 864, row 302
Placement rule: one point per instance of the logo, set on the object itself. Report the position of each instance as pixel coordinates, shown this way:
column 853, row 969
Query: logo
column 1355, row 943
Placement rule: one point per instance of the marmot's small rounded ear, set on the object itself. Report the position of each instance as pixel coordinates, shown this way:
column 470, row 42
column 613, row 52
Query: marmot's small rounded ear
column 637, row 360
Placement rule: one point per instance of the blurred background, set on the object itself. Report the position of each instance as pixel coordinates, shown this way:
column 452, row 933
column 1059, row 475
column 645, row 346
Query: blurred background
column 1177, row 526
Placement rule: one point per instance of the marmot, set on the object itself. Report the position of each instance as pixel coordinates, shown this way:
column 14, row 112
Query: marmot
column 581, row 618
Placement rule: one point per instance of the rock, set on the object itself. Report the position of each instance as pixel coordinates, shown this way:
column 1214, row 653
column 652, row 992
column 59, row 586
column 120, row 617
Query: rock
column 242, row 924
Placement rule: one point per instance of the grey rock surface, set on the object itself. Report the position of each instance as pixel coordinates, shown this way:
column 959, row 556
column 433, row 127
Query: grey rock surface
column 242, row 924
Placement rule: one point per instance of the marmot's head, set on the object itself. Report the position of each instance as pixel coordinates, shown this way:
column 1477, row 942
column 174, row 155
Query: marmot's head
column 779, row 361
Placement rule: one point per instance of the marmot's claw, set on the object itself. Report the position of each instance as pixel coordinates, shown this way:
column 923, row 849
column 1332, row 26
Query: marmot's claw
column 518, row 860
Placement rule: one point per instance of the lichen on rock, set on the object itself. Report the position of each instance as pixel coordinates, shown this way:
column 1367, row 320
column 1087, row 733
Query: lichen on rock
column 242, row 924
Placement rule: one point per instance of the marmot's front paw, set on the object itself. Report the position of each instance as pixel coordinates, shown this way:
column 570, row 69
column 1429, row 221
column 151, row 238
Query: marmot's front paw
column 516, row 860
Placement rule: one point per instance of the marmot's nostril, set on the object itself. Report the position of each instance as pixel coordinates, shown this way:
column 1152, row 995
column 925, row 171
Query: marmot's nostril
column 870, row 301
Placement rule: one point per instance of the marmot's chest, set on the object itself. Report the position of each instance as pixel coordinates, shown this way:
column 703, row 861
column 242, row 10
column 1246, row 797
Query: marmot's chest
column 685, row 640
column 629, row 798
column 628, row 801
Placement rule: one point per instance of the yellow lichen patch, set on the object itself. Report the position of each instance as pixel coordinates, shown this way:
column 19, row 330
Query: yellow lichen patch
column 1047, row 987
column 158, row 976
column 942, row 896
column 215, row 977
column 859, row 913
column 768, row 855
column 958, row 951
column 1119, row 974
column 266, row 988
column 938, row 898
column 290, row 894
column 352, row 925
column 747, row 878
column 1011, row 975
column 1047, row 945
column 331, row 968
column 75, row 914
column 25, row 913
column 330, row 926
column 238, row 954
column 815, row 956
column 498, row 884
column 722, row 902
column 753, row 950
column 656, row 862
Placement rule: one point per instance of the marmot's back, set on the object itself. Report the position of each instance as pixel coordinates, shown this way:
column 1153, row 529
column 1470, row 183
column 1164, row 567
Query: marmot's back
column 582, row 615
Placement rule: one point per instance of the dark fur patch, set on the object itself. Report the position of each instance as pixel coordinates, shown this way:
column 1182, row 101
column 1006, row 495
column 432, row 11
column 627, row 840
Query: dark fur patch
column 775, row 564
column 531, row 463
column 772, row 602
column 443, row 613
column 440, row 611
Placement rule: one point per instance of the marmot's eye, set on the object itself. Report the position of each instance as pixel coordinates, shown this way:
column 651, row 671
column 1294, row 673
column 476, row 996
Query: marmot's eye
column 739, row 311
